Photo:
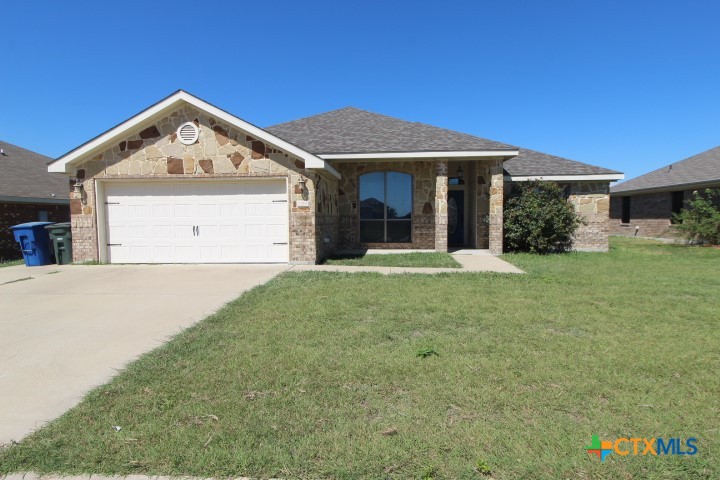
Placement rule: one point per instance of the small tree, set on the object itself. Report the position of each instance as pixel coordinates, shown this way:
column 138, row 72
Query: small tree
column 699, row 220
column 538, row 218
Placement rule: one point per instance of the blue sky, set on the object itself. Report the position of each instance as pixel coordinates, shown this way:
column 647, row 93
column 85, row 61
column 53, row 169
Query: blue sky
column 629, row 85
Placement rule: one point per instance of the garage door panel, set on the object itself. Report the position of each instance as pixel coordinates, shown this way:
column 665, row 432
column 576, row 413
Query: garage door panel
column 236, row 222
column 277, row 232
column 185, row 210
column 162, row 210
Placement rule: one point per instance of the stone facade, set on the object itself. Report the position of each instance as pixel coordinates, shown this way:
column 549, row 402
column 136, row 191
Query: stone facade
column 222, row 151
column 495, row 213
column 592, row 202
column 14, row 213
column 441, row 206
column 425, row 202
column 323, row 211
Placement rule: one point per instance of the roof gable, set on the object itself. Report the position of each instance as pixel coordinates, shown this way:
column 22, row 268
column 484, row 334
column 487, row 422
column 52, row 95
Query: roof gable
column 167, row 105
column 24, row 175
column 703, row 168
column 353, row 131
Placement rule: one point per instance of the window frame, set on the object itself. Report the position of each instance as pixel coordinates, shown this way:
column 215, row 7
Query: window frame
column 677, row 203
column 625, row 207
column 385, row 218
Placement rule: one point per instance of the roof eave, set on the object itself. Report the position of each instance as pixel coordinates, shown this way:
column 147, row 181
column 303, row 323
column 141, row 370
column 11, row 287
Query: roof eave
column 158, row 110
column 668, row 188
column 597, row 177
column 466, row 154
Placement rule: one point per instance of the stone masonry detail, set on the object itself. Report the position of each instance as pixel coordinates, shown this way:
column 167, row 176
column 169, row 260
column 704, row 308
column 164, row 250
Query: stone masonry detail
column 592, row 202
column 441, row 206
column 222, row 151
column 497, row 193
column 423, row 214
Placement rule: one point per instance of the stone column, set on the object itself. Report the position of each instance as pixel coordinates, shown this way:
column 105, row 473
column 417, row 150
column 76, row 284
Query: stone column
column 497, row 188
column 441, row 218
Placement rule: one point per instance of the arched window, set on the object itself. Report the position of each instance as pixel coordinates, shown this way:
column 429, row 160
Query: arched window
column 386, row 207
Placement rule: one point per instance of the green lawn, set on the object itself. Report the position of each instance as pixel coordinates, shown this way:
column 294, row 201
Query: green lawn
column 12, row 263
column 317, row 375
column 414, row 259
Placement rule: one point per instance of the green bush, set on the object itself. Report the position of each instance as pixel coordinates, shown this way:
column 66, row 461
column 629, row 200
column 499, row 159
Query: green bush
column 538, row 218
column 699, row 220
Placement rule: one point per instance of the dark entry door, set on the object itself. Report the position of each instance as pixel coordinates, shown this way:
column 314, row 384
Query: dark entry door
column 456, row 217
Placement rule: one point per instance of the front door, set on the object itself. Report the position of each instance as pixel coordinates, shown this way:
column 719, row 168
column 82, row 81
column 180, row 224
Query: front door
column 456, row 217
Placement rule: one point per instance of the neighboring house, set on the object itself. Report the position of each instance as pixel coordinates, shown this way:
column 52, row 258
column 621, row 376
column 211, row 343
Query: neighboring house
column 28, row 193
column 644, row 206
column 184, row 181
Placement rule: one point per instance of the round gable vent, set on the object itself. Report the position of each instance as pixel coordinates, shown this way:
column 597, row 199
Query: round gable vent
column 188, row 133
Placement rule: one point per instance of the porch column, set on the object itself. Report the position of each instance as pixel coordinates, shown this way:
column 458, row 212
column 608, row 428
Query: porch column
column 497, row 188
column 441, row 218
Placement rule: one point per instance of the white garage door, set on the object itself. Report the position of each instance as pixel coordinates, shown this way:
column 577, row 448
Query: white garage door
column 198, row 222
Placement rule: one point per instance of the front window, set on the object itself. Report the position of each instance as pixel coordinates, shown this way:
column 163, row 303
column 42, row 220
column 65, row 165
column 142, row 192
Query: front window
column 385, row 207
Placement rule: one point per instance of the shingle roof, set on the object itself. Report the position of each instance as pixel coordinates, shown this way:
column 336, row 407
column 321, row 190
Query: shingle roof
column 696, row 170
column 351, row 130
column 531, row 163
column 24, row 174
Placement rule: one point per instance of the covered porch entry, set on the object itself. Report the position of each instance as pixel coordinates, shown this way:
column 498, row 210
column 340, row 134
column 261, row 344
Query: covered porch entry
column 474, row 205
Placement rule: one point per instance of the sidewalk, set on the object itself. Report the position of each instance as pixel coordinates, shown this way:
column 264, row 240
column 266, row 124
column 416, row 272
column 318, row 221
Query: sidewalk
column 471, row 263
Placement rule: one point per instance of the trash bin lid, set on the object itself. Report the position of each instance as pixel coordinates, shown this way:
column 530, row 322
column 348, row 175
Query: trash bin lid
column 57, row 225
column 30, row 225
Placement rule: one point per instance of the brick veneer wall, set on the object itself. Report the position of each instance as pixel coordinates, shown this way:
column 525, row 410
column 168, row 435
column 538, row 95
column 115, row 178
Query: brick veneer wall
column 425, row 202
column 327, row 222
column 14, row 213
column 154, row 152
column 650, row 212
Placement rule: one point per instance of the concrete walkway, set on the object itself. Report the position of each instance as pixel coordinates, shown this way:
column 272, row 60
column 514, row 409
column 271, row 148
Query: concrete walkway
column 66, row 329
column 471, row 262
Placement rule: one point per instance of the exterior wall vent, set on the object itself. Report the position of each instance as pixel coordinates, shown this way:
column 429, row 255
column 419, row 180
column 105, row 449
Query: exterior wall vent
column 188, row 133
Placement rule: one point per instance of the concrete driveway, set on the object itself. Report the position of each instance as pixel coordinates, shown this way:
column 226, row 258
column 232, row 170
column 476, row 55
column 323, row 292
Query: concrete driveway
column 66, row 329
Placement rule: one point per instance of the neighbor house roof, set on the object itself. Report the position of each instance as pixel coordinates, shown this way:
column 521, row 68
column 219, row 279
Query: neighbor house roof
column 530, row 164
column 353, row 131
column 698, row 170
column 24, row 177
column 164, row 107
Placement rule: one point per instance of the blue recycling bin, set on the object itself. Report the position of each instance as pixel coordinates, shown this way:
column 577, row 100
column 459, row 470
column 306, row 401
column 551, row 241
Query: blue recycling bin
column 34, row 242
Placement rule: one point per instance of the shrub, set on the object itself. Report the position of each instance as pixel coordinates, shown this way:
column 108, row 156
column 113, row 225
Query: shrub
column 538, row 218
column 699, row 220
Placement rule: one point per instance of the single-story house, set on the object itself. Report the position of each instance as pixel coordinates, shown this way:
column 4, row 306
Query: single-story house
column 644, row 206
column 28, row 193
column 184, row 181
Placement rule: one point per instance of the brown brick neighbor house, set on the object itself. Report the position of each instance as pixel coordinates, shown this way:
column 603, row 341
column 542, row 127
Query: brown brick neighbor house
column 184, row 181
column 644, row 206
column 28, row 193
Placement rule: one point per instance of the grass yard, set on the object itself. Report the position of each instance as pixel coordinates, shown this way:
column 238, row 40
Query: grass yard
column 413, row 259
column 317, row 375
column 11, row 263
